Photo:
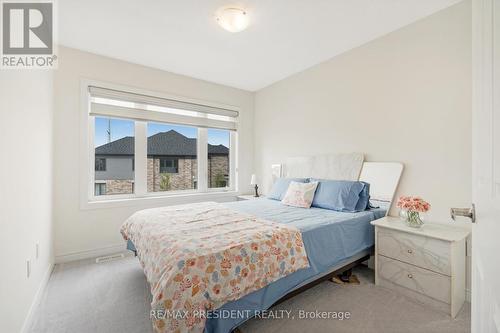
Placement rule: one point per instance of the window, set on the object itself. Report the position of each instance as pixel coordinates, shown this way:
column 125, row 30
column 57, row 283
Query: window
column 100, row 189
column 218, row 158
column 145, row 145
column 114, row 155
column 100, row 164
column 169, row 165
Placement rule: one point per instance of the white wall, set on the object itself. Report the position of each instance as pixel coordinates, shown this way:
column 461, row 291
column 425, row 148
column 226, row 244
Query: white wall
column 96, row 231
column 26, row 115
column 403, row 97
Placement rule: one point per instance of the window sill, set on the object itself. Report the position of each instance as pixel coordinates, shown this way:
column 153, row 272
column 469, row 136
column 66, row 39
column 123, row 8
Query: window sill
column 159, row 200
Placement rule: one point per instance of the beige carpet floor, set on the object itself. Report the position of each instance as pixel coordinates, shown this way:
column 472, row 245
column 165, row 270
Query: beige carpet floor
column 86, row 297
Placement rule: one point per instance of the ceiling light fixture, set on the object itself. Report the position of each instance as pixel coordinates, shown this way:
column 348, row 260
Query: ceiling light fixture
column 232, row 19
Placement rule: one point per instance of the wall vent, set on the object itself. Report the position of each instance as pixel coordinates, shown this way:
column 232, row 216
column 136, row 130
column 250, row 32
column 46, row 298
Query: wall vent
column 109, row 258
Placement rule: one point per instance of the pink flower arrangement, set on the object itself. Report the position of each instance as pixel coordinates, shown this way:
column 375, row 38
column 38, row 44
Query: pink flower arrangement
column 414, row 204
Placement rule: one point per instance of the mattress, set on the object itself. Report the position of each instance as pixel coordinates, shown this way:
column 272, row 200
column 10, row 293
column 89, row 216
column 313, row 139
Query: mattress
column 329, row 237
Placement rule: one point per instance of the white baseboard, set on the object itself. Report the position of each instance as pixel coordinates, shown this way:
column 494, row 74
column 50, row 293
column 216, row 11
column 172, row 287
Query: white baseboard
column 37, row 299
column 93, row 253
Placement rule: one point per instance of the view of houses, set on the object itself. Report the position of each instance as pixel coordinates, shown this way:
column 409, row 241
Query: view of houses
column 171, row 165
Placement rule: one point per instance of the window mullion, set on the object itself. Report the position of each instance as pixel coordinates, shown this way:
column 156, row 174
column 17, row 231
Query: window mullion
column 141, row 158
column 233, row 160
column 202, row 157
column 91, row 157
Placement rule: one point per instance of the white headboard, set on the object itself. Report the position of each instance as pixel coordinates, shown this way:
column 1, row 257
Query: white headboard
column 332, row 166
column 383, row 178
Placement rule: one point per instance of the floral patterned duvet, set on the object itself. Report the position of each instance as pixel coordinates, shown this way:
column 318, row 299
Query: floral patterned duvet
column 200, row 256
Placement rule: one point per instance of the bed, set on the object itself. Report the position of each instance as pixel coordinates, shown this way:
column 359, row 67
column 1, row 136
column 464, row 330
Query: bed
column 332, row 240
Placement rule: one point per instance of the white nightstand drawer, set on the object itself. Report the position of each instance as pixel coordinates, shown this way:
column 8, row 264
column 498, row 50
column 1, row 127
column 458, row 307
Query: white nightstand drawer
column 430, row 253
column 431, row 284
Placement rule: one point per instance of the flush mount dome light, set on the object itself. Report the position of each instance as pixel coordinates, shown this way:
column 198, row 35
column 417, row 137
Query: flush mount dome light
column 232, row 19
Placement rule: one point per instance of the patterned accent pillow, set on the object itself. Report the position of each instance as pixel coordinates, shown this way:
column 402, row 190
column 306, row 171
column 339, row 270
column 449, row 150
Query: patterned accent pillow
column 300, row 194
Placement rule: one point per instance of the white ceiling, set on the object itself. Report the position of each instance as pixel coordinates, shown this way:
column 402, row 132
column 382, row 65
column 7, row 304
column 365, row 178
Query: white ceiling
column 181, row 36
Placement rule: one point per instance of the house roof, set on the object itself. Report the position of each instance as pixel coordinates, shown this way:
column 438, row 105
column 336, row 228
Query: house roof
column 165, row 143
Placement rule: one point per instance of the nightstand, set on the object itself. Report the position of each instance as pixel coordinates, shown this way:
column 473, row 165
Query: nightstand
column 248, row 197
column 426, row 264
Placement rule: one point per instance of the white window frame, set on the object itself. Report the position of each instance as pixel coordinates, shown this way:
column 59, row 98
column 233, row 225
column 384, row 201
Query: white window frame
column 87, row 171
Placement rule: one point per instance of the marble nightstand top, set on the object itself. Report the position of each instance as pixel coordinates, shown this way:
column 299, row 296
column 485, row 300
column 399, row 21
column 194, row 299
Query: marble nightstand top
column 435, row 230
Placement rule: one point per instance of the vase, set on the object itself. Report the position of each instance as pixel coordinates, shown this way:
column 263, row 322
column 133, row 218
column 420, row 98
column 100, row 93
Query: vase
column 412, row 218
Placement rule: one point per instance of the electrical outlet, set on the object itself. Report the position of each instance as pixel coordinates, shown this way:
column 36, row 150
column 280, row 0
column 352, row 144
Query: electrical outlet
column 37, row 250
column 28, row 269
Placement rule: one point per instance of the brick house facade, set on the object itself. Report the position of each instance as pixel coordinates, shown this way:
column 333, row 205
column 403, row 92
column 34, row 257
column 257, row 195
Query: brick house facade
column 187, row 175
column 184, row 179
column 218, row 171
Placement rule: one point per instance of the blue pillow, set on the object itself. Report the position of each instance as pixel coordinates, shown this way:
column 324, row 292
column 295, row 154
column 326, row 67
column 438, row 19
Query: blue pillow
column 341, row 195
column 364, row 198
column 281, row 185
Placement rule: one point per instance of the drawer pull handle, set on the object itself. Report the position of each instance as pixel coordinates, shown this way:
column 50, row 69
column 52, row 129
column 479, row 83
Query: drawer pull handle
column 410, row 276
column 410, row 251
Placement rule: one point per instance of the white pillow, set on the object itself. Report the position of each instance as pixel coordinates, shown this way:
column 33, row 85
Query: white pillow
column 300, row 194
